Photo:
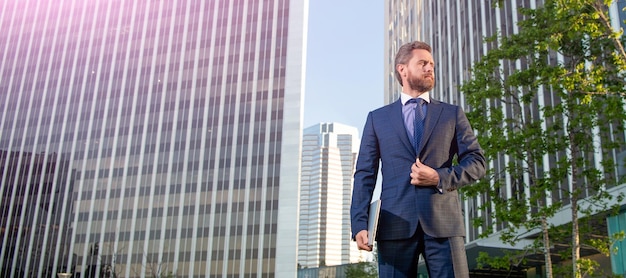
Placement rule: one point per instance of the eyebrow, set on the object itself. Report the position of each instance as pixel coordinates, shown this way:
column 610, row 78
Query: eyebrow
column 422, row 61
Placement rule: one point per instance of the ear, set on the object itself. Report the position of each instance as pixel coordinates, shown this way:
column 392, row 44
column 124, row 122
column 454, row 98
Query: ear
column 400, row 68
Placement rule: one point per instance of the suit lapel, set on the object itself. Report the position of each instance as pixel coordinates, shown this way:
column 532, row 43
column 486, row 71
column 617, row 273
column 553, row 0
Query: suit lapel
column 432, row 116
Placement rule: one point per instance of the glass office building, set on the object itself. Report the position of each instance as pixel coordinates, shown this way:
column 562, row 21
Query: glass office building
column 150, row 138
column 329, row 152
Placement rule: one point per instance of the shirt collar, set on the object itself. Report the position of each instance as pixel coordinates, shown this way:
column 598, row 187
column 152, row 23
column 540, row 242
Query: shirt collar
column 404, row 97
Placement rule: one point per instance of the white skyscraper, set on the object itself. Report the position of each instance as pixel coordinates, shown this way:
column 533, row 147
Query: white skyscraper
column 328, row 156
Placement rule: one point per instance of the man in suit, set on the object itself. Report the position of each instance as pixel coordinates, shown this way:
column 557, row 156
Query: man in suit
column 421, row 211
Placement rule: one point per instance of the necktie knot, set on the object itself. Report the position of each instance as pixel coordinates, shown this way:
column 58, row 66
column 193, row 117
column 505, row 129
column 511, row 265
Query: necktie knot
column 416, row 100
column 419, row 101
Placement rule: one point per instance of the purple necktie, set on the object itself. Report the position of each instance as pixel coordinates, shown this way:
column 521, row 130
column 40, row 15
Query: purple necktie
column 418, row 123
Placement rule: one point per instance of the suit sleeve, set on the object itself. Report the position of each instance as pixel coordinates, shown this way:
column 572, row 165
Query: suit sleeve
column 365, row 176
column 470, row 157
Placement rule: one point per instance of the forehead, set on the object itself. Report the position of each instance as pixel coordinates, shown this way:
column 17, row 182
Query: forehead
column 421, row 54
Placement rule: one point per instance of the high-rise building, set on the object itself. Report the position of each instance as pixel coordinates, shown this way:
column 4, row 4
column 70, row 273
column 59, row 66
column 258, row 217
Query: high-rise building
column 329, row 153
column 35, row 197
column 456, row 31
column 146, row 138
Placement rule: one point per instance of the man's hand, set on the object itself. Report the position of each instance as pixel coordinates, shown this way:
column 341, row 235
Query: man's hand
column 422, row 175
column 361, row 241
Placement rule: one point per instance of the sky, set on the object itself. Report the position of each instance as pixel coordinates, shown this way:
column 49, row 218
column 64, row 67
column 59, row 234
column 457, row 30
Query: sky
column 345, row 61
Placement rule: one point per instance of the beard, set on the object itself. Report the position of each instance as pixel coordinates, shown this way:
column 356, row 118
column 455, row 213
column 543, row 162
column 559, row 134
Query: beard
column 421, row 84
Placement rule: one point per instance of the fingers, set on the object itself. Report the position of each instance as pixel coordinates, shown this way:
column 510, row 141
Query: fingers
column 418, row 163
column 362, row 242
column 420, row 173
column 423, row 175
column 415, row 168
column 415, row 172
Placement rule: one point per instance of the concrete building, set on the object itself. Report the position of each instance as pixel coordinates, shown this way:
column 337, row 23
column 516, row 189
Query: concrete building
column 456, row 31
column 148, row 138
column 329, row 153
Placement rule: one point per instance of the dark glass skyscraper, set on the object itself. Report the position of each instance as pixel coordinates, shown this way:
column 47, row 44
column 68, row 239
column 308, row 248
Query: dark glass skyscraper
column 143, row 138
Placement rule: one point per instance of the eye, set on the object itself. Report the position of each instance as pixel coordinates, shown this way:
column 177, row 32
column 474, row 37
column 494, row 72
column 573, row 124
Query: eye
column 423, row 63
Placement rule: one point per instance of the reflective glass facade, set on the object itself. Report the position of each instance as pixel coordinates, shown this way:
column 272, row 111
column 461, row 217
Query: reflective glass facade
column 329, row 152
column 143, row 138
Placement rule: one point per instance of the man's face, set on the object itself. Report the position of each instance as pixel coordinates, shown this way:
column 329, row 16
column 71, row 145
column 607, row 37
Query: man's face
column 418, row 74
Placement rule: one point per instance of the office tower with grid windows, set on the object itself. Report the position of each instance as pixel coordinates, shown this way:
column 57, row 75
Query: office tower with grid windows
column 328, row 159
column 456, row 31
column 150, row 138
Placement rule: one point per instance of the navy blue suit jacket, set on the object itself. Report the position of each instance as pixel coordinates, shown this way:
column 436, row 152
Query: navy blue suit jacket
column 385, row 142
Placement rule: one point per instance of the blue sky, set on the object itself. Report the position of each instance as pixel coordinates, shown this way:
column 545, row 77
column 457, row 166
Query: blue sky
column 345, row 61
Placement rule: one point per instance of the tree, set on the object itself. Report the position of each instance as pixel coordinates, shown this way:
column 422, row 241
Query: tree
column 364, row 269
column 552, row 93
column 361, row 270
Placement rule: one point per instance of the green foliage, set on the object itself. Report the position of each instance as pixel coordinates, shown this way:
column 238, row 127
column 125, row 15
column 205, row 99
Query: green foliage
column 563, row 86
column 362, row 270
column 503, row 262
column 616, row 237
